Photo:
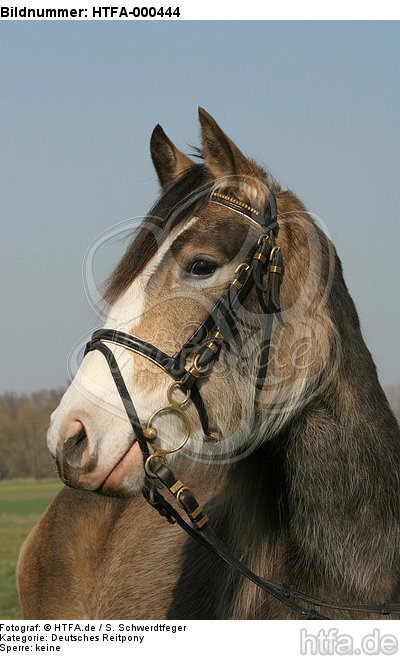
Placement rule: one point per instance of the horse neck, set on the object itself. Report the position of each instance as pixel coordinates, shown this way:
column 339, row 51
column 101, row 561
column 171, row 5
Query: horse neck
column 318, row 505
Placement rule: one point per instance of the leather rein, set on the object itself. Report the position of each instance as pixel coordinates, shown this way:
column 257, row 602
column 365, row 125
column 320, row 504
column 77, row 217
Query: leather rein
column 263, row 272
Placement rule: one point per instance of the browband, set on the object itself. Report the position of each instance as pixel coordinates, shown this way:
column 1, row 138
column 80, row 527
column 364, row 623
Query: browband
column 265, row 219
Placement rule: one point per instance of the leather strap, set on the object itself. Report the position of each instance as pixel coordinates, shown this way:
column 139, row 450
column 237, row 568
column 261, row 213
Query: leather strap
column 286, row 594
column 137, row 345
column 124, row 394
column 206, row 536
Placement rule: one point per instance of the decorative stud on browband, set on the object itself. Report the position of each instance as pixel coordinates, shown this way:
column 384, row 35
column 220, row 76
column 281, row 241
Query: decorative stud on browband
column 263, row 219
column 234, row 201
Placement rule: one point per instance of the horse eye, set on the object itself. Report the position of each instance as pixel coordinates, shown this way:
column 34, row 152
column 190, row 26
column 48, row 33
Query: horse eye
column 201, row 267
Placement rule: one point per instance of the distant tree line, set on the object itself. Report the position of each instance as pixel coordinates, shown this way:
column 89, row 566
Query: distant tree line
column 24, row 420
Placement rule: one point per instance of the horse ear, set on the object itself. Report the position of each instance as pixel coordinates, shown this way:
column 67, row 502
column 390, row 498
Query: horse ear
column 169, row 162
column 221, row 156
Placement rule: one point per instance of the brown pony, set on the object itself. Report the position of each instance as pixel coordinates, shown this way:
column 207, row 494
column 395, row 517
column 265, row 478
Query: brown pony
column 302, row 481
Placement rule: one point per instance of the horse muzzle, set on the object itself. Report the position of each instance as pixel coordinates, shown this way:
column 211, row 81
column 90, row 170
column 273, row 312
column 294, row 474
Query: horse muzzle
column 78, row 466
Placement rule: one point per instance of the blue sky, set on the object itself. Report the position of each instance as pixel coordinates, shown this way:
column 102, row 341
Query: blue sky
column 316, row 102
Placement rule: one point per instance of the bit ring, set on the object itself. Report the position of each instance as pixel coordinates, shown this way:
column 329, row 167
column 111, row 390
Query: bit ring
column 170, row 395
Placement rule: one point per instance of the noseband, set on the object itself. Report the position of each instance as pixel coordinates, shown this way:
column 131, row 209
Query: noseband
column 263, row 271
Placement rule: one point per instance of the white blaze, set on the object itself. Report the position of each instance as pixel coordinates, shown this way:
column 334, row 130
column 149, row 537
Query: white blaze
column 92, row 397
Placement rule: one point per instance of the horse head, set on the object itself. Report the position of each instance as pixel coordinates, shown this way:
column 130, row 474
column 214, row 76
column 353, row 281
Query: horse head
column 200, row 239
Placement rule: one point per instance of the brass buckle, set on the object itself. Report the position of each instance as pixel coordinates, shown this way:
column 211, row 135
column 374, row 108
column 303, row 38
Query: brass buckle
column 157, row 455
column 262, row 238
column 196, row 370
column 242, row 267
column 275, row 262
column 178, row 496
column 274, row 251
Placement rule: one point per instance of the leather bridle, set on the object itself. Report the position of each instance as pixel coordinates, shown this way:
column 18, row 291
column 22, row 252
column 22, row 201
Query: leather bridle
column 263, row 271
column 219, row 327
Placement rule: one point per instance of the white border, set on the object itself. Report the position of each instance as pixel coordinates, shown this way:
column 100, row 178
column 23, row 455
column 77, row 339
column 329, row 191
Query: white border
column 208, row 10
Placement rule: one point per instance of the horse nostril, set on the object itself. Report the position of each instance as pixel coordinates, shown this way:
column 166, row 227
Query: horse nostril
column 74, row 448
column 76, row 455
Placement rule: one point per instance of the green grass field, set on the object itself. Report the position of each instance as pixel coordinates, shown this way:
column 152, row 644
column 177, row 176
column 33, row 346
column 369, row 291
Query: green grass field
column 21, row 504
